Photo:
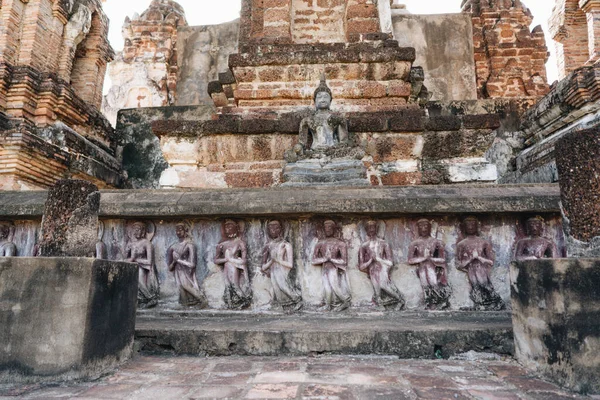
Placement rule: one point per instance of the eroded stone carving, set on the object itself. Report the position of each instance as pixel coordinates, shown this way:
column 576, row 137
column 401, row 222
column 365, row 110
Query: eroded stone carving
column 101, row 251
column 324, row 133
column 277, row 263
column 139, row 250
column 181, row 261
column 7, row 234
column 331, row 254
column 476, row 258
column 429, row 255
column 535, row 246
column 375, row 258
column 231, row 255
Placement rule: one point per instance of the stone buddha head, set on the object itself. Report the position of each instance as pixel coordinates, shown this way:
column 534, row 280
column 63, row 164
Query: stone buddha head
column 323, row 96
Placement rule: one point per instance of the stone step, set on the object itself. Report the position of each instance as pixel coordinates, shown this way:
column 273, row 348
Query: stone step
column 423, row 335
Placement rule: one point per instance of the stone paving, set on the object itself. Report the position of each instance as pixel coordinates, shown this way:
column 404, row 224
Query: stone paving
column 319, row 377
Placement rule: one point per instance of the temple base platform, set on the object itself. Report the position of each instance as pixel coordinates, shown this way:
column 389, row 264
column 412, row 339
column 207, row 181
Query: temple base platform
column 407, row 334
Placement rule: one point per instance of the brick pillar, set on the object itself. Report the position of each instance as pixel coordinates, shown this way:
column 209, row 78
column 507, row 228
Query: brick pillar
column 11, row 14
column 578, row 167
column 592, row 9
column 568, row 28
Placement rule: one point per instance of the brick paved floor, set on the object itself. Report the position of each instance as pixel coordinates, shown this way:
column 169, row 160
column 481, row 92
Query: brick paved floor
column 321, row 377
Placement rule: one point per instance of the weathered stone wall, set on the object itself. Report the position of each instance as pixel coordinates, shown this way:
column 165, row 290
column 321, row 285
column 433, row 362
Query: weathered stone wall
column 39, row 343
column 509, row 58
column 578, row 164
column 502, row 211
column 525, row 154
column 145, row 73
column 444, row 48
column 143, row 159
column 202, row 54
column 556, row 306
column 403, row 148
column 503, row 230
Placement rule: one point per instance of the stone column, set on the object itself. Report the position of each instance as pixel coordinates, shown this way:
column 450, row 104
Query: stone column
column 578, row 163
column 70, row 221
column 592, row 9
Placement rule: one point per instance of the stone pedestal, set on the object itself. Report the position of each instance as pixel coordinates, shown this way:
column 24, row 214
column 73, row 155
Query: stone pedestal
column 556, row 306
column 65, row 318
column 315, row 172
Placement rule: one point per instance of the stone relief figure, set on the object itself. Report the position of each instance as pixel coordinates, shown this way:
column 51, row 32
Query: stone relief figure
column 429, row 255
column 324, row 133
column 476, row 258
column 101, row 251
column 375, row 258
column 7, row 234
column 181, row 261
column 331, row 254
column 277, row 263
column 535, row 246
column 232, row 255
column 139, row 250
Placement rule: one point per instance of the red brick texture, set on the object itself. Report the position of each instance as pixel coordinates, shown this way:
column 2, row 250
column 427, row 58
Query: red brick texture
column 509, row 58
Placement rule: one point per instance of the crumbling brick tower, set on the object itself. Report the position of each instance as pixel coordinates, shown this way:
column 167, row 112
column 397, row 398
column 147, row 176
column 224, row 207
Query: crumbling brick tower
column 53, row 57
column 144, row 74
column 510, row 59
column 285, row 45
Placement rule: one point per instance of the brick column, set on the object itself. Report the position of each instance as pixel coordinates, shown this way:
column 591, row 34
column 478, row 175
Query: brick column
column 568, row 28
column 592, row 9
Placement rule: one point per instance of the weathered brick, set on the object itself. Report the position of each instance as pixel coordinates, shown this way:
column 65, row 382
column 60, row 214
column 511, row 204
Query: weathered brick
column 253, row 179
column 401, row 179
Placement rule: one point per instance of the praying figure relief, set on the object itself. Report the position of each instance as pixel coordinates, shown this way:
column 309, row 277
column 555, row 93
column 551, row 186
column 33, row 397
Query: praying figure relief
column 277, row 263
column 139, row 251
column 101, row 251
column 7, row 234
column 181, row 261
column 232, row 255
column 535, row 246
column 331, row 254
column 375, row 258
column 429, row 255
column 476, row 257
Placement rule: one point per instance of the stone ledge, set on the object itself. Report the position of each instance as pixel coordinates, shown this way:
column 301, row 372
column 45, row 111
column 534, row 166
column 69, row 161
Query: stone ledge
column 323, row 54
column 409, row 119
column 299, row 201
column 404, row 334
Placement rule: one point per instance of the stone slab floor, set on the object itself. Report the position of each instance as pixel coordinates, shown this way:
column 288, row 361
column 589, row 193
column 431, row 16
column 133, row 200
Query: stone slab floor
column 319, row 377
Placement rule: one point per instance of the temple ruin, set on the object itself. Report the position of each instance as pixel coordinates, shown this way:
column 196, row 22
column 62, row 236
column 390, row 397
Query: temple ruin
column 314, row 162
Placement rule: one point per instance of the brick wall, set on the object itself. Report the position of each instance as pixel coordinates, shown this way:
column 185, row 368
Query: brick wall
column 402, row 148
column 509, row 57
column 307, row 21
column 53, row 56
column 52, row 40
